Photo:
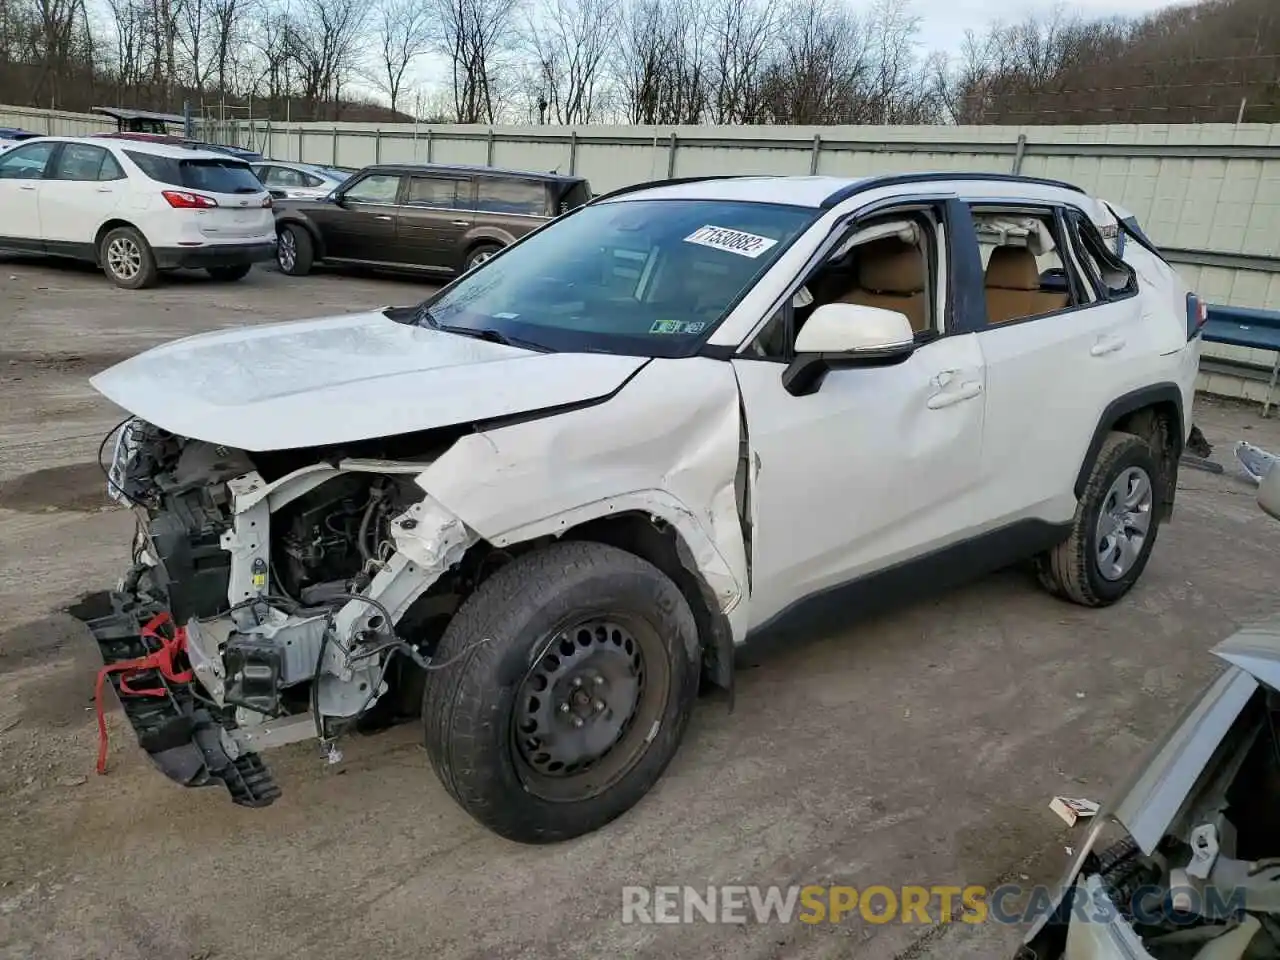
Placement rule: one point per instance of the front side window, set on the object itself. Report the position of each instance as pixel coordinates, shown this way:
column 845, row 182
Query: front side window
column 638, row 277
column 524, row 197
column 26, row 163
column 375, row 188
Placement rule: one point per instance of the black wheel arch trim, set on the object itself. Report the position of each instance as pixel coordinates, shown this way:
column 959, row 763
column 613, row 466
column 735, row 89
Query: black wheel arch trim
column 1116, row 410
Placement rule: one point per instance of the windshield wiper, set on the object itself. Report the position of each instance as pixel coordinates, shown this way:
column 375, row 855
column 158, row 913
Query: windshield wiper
column 490, row 334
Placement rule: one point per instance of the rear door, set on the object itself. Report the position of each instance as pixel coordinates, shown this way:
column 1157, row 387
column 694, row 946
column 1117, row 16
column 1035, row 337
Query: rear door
column 84, row 188
column 1058, row 347
column 361, row 222
column 437, row 214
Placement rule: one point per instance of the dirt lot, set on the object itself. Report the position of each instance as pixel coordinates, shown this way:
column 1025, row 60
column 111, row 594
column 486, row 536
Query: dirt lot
column 920, row 747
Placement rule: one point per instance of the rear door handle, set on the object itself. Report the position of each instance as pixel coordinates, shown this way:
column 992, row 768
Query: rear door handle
column 382, row 216
column 26, row 186
column 1106, row 344
column 105, row 190
column 966, row 391
column 461, row 223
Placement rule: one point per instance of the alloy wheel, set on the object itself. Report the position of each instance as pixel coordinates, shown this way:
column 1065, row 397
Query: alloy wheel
column 124, row 258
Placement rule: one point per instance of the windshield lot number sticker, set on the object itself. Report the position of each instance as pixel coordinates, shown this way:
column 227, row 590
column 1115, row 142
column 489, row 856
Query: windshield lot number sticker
column 678, row 327
column 730, row 241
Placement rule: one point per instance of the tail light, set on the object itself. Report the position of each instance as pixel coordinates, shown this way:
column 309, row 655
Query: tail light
column 1197, row 315
column 182, row 200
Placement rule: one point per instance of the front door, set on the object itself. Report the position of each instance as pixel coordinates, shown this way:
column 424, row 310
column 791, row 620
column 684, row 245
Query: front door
column 22, row 172
column 361, row 223
column 880, row 464
column 437, row 215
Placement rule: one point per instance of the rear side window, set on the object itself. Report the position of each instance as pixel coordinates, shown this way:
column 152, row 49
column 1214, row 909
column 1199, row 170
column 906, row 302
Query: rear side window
column 214, row 176
column 1110, row 277
column 511, row 196
column 439, row 192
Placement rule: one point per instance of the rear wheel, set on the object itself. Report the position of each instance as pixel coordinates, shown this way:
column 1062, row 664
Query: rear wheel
column 578, row 672
column 295, row 251
column 230, row 273
column 480, row 254
column 1115, row 526
column 126, row 259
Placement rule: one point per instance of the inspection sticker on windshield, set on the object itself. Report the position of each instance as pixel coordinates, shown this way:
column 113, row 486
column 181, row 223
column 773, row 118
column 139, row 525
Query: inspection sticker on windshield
column 678, row 326
column 731, row 241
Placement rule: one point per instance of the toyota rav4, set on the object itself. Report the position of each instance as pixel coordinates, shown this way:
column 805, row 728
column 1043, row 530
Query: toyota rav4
column 536, row 509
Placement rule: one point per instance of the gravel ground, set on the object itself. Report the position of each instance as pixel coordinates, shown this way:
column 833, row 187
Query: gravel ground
column 918, row 747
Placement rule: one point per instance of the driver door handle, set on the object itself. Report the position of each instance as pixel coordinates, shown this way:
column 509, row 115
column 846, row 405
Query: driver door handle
column 1107, row 343
column 382, row 216
column 965, row 391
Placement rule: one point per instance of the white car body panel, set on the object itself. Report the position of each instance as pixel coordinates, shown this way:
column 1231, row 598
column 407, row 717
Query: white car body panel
column 337, row 379
column 825, row 507
column 667, row 445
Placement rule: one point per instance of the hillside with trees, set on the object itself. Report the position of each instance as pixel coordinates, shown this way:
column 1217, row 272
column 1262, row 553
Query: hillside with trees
column 637, row 61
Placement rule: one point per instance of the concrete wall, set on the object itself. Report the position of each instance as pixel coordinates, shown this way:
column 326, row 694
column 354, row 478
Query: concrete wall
column 57, row 123
column 1208, row 194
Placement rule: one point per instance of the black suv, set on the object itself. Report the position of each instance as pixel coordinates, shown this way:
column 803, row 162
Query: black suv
column 434, row 218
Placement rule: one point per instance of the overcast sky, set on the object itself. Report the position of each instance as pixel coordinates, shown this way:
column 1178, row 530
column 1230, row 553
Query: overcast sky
column 945, row 21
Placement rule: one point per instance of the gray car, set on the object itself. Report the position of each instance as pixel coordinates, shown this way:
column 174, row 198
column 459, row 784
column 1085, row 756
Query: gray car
column 299, row 181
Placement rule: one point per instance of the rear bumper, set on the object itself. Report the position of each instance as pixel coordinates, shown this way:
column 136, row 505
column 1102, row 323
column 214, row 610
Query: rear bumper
column 214, row 255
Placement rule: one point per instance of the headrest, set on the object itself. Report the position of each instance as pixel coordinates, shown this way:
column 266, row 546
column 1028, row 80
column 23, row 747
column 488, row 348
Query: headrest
column 891, row 266
column 1012, row 268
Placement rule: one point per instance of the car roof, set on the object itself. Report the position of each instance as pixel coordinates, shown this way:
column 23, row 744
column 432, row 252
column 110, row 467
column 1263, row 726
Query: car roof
column 411, row 168
column 821, row 192
column 157, row 148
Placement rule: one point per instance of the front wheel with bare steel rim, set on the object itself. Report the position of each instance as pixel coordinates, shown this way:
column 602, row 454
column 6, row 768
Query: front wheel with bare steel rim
column 581, row 674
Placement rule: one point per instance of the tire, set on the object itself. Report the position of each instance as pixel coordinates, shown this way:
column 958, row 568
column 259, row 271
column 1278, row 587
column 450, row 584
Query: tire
column 230, row 274
column 573, row 619
column 127, row 260
column 479, row 255
column 1076, row 569
column 295, row 250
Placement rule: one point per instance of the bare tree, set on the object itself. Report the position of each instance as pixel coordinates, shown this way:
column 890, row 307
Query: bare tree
column 569, row 41
column 323, row 42
column 742, row 37
column 476, row 36
column 401, row 37
column 823, row 66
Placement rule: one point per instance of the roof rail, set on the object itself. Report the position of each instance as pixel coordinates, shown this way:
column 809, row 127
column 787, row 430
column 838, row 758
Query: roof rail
column 891, row 180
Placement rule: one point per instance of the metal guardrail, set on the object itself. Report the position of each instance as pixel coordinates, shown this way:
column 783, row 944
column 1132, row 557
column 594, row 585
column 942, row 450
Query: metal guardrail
column 1244, row 327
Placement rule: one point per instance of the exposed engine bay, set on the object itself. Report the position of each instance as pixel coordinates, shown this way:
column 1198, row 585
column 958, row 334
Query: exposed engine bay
column 1210, row 890
column 310, row 587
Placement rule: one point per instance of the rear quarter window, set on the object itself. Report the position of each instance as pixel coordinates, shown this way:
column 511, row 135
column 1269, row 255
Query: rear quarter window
column 526, row 197
column 212, row 175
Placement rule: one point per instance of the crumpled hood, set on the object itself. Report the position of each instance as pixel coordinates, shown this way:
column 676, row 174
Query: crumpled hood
column 346, row 378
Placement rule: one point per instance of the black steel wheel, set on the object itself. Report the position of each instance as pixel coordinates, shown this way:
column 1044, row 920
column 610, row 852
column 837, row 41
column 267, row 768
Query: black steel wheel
column 578, row 671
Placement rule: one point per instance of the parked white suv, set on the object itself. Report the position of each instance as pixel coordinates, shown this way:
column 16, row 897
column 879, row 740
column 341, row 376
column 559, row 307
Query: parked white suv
column 134, row 208
column 537, row 507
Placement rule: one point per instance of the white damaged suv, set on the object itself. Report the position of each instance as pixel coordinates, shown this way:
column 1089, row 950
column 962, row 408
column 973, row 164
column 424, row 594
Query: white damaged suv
column 537, row 508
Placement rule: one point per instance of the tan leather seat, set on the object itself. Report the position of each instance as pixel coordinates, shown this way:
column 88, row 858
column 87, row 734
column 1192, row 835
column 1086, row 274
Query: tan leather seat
column 891, row 276
column 1013, row 287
